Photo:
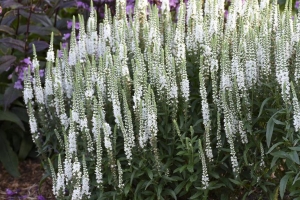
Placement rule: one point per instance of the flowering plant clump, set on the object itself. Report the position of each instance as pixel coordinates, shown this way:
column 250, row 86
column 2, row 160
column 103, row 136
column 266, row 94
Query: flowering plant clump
column 151, row 108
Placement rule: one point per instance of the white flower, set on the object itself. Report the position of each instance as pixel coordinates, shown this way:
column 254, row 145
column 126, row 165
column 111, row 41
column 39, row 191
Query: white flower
column 173, row 91
column 72, row 142
column 48, row 87
column 185, row 89
column 85, row 186
column 50, row 55
column 165, row 5
column 107, row 136
column 77, row 195
column 33, row 124
column 68, row 169
column 28, row 94
column 39, row 95
column 60, row 183
column 89, row 93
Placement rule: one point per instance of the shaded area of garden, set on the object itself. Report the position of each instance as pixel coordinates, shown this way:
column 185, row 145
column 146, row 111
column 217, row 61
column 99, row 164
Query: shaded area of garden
column 28, row 185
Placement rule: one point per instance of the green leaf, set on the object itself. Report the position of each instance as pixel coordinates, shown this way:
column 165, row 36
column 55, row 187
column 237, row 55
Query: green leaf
column 278, row 122
column 159, row 190
column 25, row 147
column 8, row 157
column 274, row 160
column 214, row 174
column 6, row 62
column 179, row 187
column 295, row 148
column 21, row 112
column 196, row 195
column 282, row 185
column 7, row 29
column 13, row 43
column 275, row 193
column 262, row 106
column 274, row 146
column 294, row 157
column 269, row 132
column 280, row 154
column 127, row 189
column 11, row 117
column 150, row 173
column 235, row 181
column 296, row 178
column 190, row 168
column 193, row 178
column 169, row 192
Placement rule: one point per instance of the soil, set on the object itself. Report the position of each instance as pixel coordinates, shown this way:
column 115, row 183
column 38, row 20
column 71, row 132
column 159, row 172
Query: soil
column 27, row 184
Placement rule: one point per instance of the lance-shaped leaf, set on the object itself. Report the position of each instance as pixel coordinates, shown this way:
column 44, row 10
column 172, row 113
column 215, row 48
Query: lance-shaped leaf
column 13, row 43
column 8, row 157
column 11, row 117
column 6, row 62
column 7, row 29
column 39, row 46
column 11, row 4
column 38, row 18
column 10, row 95
column 39, row 30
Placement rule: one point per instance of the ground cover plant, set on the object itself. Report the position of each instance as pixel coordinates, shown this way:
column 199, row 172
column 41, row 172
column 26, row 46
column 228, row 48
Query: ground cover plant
column 158, row 106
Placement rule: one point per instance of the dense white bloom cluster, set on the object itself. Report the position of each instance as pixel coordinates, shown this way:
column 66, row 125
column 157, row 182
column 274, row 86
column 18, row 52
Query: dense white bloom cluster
column 205, row 178
column 117, row 84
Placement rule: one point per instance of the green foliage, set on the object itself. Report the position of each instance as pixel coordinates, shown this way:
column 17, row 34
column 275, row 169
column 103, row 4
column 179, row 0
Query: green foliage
column 150, row 110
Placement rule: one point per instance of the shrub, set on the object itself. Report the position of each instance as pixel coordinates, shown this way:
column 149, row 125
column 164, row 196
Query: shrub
column 155, row 109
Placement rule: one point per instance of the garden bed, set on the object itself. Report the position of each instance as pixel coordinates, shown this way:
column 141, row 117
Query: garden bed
column 27, row 184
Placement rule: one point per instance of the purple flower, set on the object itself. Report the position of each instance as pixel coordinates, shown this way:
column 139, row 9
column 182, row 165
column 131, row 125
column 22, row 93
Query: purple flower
column 173, row 3
column 18, row 85
column 26, row 61
column 130, row 7
column 42, row 72
column 66, row 36
column 80, row 4
column 297, row 3
column 40, row 197
column 64, row 45
column 226, row 14
column 10, row 192
column 70, row 24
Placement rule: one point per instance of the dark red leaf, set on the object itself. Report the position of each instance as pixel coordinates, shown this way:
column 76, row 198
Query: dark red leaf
column 39, row 30
column 11, row 4
column 6, row 61
column 8, row 18
column 67, row 4
column 39, row 46
column 38, row 18
column 7, row 29
column 10, row 95
column 13, row 43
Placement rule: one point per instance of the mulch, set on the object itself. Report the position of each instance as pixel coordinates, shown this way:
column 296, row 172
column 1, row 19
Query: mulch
column 27, row 184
